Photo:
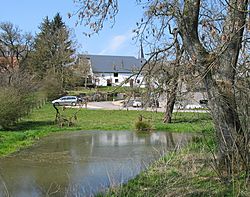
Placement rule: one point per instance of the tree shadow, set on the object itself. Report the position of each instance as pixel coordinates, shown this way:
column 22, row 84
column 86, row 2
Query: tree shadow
column 29, row 125
column 191, row 119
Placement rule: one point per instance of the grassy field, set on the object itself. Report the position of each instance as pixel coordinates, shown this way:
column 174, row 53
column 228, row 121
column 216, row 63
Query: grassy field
column 187, row 172
column 182, row 173
column 41, row 122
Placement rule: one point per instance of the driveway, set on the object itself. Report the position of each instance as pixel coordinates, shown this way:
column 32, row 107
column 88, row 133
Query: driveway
column 109, row 105
column 117, row 105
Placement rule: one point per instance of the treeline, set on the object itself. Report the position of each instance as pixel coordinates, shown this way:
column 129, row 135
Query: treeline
column 33, row 68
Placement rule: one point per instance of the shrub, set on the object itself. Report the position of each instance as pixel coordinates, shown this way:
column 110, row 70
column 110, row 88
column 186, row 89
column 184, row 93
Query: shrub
column 52, row 87
column 141, row 125
column 14, row 104
column 16, row 97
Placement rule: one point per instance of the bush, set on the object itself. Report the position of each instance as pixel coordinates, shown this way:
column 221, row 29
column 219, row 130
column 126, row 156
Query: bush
column 141, row 125
column 14, row 104
column 52, row 87
column 16, row 97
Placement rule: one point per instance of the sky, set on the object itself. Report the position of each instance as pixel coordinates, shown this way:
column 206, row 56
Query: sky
column 29, row 14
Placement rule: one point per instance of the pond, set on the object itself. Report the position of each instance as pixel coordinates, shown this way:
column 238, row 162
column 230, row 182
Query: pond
column 82, row 163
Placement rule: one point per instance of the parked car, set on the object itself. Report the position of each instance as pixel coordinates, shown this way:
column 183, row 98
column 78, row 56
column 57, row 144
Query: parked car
column 128, row 103
column 137, row 103
column 67, row 100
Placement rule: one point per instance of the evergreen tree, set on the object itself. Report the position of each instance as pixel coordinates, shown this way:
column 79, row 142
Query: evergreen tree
column 41, row 56
column 53, row 48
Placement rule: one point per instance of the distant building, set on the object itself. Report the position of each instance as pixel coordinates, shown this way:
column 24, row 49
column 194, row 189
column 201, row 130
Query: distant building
column 108, row 70
column 189, row 95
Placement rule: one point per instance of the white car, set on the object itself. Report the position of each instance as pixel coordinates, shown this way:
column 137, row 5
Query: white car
column 137, row 103
column 66, row 100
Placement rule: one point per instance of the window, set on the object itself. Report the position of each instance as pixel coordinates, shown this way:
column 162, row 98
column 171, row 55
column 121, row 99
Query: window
column 203, row 102
column 116, row 81
column 115, row 74
column 109, row 82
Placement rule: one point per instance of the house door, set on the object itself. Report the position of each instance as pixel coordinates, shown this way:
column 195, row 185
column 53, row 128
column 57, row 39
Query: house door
column 109, row 82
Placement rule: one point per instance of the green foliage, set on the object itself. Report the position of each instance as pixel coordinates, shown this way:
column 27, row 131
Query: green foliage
column 14, row 104
column 114, row 120
column 16, row 83
column 53, row 48
column 13, row 141
column 181, row 173
column 51, row 87
column 78, row 74
column 143, row 126
column 41, row 122
column 53, row 51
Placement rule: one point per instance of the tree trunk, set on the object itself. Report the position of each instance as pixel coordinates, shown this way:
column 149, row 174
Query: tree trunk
column 229, row 133
column 171, row 98
column 219, row 74
column 171, row 95
column 85, row 81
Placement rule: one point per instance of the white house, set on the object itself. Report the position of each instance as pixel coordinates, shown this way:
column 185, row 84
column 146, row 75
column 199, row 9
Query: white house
column 109, row 70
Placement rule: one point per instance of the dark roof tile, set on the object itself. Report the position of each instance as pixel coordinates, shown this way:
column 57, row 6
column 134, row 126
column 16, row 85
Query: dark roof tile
column 111, row 64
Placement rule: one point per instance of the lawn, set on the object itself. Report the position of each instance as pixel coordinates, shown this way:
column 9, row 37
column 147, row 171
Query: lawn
column 184, row 173
column 187, row 172
column 41, row 122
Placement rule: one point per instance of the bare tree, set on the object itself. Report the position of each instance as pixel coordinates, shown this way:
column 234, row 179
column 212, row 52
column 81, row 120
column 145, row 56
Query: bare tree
column 162, row 79
column 218, row 68
column 211, row 34
column 82, row 69
column 17, row 85
column 14, row 49
column 94, row 13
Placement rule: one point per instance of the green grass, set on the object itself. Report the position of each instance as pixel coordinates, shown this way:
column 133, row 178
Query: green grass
column 41, row 122
column 13, row 141
column 187, row 172
column 113, row 89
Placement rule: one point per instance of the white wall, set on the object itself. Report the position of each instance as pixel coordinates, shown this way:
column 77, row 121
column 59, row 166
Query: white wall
column 101, row 79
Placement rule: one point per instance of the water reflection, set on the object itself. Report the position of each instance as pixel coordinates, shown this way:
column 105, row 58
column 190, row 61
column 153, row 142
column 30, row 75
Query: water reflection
column 82, row 163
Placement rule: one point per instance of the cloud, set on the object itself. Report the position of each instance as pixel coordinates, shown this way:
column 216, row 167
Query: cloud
column 116, row 43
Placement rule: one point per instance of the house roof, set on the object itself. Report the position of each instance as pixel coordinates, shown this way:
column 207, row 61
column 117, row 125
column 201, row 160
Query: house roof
column 111, row 64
